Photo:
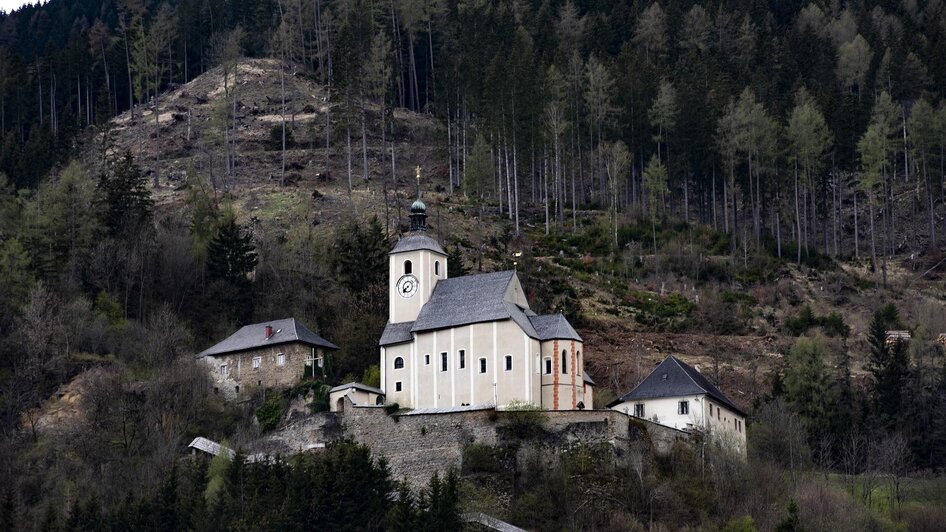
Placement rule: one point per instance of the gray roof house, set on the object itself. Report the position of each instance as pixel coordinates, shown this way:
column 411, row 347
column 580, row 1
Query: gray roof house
column 675, row 378
column 271, row 354
column 267, row 334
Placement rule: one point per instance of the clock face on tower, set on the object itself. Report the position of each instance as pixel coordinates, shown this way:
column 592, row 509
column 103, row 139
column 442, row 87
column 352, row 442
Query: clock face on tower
column 407, row 286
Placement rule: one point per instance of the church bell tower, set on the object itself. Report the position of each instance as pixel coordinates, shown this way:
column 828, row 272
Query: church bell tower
column 415, row 264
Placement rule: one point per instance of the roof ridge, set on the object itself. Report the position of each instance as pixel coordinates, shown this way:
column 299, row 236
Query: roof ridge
column 681, row 364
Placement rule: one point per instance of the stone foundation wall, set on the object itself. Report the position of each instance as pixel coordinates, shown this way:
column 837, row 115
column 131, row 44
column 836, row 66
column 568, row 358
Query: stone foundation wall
column 418, row 445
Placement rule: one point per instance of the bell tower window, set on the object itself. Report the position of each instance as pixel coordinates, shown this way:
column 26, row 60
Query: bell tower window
column 437, row 267
column 408, row 267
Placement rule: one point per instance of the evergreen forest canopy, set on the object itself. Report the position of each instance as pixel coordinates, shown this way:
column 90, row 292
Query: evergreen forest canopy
column 770, row 122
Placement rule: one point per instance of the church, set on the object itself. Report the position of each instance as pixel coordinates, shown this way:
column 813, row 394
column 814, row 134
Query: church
column 472, row 341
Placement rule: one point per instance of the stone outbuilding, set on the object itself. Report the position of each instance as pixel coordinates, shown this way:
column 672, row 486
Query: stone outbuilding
column 359, row 394
column 273, row 354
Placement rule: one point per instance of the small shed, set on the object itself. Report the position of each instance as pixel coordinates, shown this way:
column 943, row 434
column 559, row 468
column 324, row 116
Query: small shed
column 209, row 447
column 359, row 394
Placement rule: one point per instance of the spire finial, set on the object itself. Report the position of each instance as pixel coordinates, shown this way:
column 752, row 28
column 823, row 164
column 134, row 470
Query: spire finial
column 417, row 170
column 418, row 209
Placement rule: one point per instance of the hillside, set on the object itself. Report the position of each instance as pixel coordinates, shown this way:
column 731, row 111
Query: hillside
column 621, row 348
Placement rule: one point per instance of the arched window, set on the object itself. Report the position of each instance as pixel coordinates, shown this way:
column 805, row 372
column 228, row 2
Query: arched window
column 578, row 362
column 564, row 361
column 407, row 267
column 398, row 363
column 436, row 267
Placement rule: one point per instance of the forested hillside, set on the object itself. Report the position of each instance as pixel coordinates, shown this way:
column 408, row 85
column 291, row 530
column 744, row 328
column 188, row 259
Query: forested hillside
column 769, row 122
column 756, row 187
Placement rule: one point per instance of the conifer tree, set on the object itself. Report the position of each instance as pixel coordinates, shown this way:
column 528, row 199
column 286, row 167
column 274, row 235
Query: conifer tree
column 888, row 365
column 231, row 255
column 455, row 265
column 127, row 201
column 808, row 388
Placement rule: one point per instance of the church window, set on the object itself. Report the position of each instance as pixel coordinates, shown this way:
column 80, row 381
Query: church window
column 462, row 361
column 639, row 410
column 548, row 365
column 711, row 409
column 436, row 267
column 280, row 359
column 508, row 362
column 443, row 361
column 564, row 361
column 407, row 267
column 578, row 361
column 482, row 365
column 397, row 386
column 398, row 363
column 683, row 408
column 257, row 362
column 426, row 360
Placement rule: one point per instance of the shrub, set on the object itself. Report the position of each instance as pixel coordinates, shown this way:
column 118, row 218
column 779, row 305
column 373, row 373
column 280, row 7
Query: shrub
column 392, row 408
column 739, row 524
column 832, row 324
column 271, row 411
column 320, row 400
column 524, row 420
column 275, row 137
column 480, row 458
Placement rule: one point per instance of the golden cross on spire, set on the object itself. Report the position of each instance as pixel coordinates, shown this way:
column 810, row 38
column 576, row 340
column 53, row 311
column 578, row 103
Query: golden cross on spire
column 417, row 169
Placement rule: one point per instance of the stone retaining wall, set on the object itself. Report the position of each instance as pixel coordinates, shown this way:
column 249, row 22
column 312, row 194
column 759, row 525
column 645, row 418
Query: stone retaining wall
column 418, row 445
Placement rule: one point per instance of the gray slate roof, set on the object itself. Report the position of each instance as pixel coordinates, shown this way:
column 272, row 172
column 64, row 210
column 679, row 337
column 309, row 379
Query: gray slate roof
column 675, row 378
column 554, row 326
column 357, row 386
column 413, row 242
column 396, row 333
column 471, row 299
column 254, row 336
column 587, row 378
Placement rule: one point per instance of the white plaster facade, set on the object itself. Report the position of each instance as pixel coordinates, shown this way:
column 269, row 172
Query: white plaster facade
column 491, row 361
column 724, row 424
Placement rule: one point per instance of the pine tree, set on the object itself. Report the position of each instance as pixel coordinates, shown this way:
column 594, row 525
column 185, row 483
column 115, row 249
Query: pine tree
column 127, row 202
column 808, row 386
column 361, row 256
column 888, row 365
column 455, row 265
column 231, row 255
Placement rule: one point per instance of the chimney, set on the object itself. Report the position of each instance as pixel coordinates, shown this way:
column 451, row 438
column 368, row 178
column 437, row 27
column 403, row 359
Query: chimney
column 269, row 331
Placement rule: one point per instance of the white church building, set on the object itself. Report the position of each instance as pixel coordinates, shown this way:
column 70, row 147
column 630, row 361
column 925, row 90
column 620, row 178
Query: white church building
column 472, row 340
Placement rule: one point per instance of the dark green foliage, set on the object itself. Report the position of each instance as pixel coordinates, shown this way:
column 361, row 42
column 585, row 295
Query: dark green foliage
column 653, row 307
column 127, row 201
column 832, row 324
column 455, row 265
column 808, row 385
column 391, row 408
column 480, row 458
column 271, row 412
column 361, row 256
column 523, row 420
column 275, row 138
column 792, row 522
column 344, row 487
column 889, row 367
column 231, row 255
